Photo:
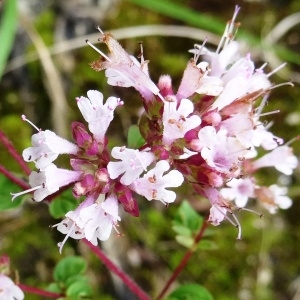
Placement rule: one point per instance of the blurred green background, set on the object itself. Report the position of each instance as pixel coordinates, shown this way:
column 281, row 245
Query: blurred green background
column 44, row 64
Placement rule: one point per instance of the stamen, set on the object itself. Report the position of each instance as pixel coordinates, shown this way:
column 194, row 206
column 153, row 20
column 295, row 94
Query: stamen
column 115, row 225
column 61, row 244
column 282, row 84
column 250, row 210
column 228, row 34
column 15, row 195
column 34, row 126
column 263, row 66
column 199, row 48
column 232, row 22
column 225, row 216
column 239, row 237
column 262, row 104
column 97, row 50
column 100, row 30
column 268, row 113
column 141, row 55
column 277, row 69
column 297, row 138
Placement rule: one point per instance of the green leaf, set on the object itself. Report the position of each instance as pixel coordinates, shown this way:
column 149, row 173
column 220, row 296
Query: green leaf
column 134, row 138
column 183, row 13
column 190, row 292
column 182, row 230
column 7, row 187
column 185, row 241
column 71, row 280
column 54, row 287
column 68, row 267
column 79, row 289
column 62, row 204
column 7, row 31
column 187, row 217
column 207, row 245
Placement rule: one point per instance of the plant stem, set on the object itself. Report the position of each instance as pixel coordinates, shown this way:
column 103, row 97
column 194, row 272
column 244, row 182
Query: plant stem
column 116, row 270
column 21, row 183
column 36, row 291
column 14, row 153
column 184, row 260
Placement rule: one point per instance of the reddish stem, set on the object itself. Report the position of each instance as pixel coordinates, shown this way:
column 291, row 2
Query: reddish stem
column 36, row 291
column 183, row 261
column 14, row 153
column 115, row 269
column 21, row 183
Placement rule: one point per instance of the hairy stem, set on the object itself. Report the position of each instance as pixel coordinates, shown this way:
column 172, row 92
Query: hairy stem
column 36, row 291
column 183, row 261
column 21, row 183
column 116, row 270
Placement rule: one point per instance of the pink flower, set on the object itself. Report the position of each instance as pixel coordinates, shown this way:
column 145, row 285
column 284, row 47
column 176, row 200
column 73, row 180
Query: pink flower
column 46, row 148
column 220, row 151
column 177, row 121
column 123, row 70
column 217, row 214
column 239, row 190
column 196, row 80
column 153, row 184
column 132, row 164
column 281, row 158
column 97, row 114
column 9, row 290
column 274, row 197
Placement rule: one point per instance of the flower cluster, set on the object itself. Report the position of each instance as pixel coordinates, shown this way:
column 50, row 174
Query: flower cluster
column 206, row 134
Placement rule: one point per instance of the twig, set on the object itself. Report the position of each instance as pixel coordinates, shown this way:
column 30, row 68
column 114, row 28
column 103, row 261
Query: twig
column 36, row 291
column 116, row 270
column 21, row 183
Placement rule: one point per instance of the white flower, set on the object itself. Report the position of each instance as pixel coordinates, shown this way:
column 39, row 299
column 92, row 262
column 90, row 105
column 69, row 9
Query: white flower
column 124, row 70
column 97, row 114
column 281, row 158
column 217, row 214
column 132, row 164
column 100, row 218
column 46, row 148
column 72, row 226
column 48, row 181
column 239, row 190
column 220, row 151
column 153, row 184
column 9, row 290
column 274, row 197
column 176, row 121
